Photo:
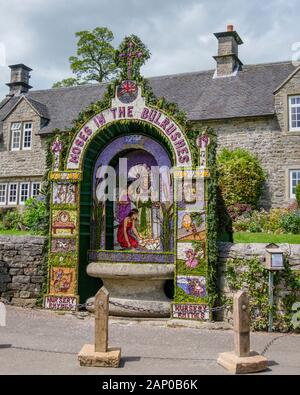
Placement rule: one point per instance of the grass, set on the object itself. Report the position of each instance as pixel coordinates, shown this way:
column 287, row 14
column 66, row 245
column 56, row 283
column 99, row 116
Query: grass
column 13, row 232
column 247, row 237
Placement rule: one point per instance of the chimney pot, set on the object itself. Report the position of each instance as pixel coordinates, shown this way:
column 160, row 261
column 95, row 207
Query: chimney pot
column 19, row 79
column 228, row 62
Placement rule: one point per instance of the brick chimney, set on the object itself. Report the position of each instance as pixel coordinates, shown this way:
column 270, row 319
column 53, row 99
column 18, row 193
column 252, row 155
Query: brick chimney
column 228, row 62
column 19, row 80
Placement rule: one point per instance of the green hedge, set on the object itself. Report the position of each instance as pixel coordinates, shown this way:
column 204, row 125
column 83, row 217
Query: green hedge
column 241, row 177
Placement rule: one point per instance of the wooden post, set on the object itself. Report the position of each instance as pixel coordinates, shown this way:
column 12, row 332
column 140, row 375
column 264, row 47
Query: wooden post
column 241, row 324
column 101, row 320
column 242, row 360
column 99, row 354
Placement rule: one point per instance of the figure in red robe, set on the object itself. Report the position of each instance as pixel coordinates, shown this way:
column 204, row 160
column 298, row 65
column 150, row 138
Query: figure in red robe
column 128, row 236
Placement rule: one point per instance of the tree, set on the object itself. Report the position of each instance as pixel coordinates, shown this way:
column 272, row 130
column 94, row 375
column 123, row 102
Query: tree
column 66, row 83
column 241, row 177
column 95, row 60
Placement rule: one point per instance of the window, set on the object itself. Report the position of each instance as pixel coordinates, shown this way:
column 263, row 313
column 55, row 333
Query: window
column 2, row 194
column 24, row 192
column 15, row 136
column 27, row 135
column 21, row 136
column 35, row 189
column 294, row 181
column 12, row 193
column 294, row 111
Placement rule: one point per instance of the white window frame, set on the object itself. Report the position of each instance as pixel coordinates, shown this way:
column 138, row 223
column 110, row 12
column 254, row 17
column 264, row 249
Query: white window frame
column 292, row 195
column 293, row 129
column 2, row 184
column 24, row 130
column 20, row 192
column 13, row 131
column 32, row 187
column 9, row 202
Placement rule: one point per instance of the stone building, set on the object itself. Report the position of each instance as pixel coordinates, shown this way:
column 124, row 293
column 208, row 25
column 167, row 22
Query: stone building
column 256, row 107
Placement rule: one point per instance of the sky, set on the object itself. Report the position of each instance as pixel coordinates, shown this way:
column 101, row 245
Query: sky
column 179, row 33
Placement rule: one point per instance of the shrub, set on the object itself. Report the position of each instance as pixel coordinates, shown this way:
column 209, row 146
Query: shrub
column 261, row 221
column 273, row 220
column 290, row 222
column 12, row 220
column 298, row 194
column 35, row 216
column 238, row 209
column 241, row 177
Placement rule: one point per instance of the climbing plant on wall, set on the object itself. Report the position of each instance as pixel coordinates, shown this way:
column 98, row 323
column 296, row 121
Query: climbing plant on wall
column 250, row 274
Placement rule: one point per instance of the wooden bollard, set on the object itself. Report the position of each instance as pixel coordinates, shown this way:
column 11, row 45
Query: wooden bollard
column 101, row 320
column 241, row 325
column 242, row 360
column 99, row 354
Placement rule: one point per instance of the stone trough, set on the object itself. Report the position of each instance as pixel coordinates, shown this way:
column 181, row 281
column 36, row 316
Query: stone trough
column 140, row 286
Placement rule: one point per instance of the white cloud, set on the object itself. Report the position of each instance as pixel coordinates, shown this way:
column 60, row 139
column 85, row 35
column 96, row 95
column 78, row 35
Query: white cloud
column 179, row 33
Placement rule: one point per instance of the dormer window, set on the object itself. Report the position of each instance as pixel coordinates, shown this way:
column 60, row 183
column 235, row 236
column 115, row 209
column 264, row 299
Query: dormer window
column 21, row 136
column 294, row 113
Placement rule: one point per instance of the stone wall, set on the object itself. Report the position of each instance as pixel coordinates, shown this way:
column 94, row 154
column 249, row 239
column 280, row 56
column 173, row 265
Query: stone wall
column 276, row 151
column 250, row 251
column 21, row 275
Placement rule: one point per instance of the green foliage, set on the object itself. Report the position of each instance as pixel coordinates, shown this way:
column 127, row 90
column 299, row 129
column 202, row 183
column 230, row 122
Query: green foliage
column 66, row 83
column 197, row 218
column 166, row 213
column 34, row 217
column 241, row 177
column 137, row 62
column 251, row 275
column 298, row 194
column 95, row 55
column 277, row 221
column 199, row 270
column 290, row 222
column 12, row 220
column 212, row 221
column 182, row 297
column 98, row 209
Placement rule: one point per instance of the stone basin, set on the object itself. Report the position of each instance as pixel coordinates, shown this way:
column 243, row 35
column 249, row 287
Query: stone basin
column 137, row 289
